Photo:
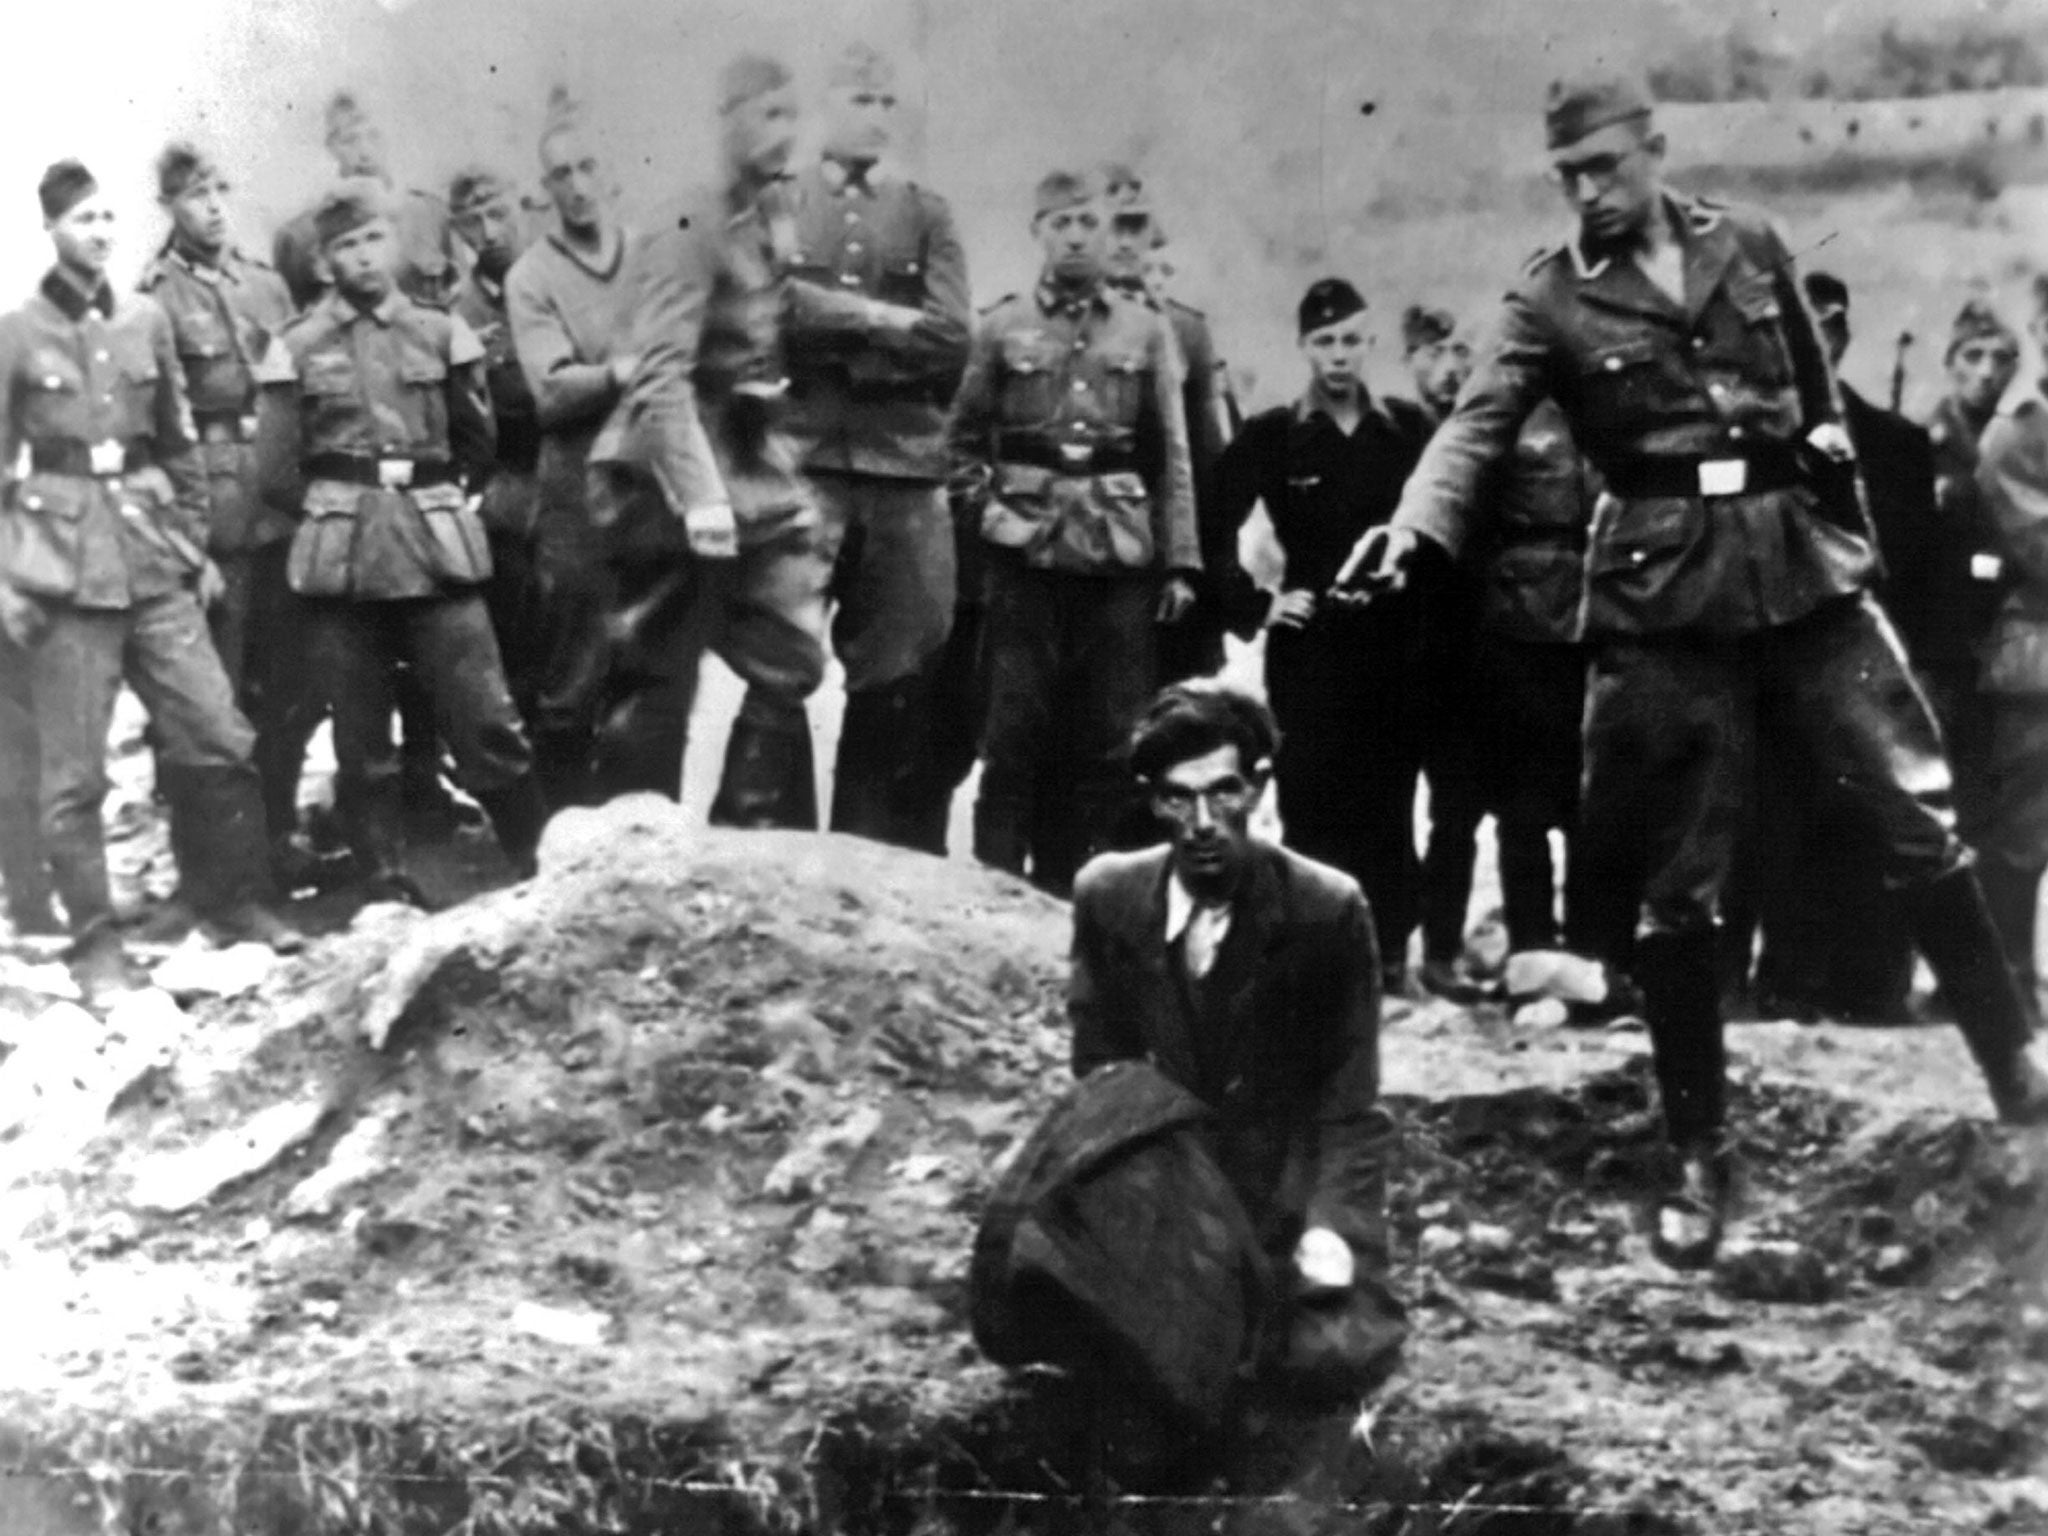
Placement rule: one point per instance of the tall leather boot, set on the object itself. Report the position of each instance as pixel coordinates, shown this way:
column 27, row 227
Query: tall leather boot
column 768, row 780
column 372, row 813
column 230, row 885
column 184, row 818
column 78, row 871
column 2011, row 894
column 1679, row 974
column 860, row 772
column 519, row 814
column 1002, row 838
column 24, row 870
column 1953, row 928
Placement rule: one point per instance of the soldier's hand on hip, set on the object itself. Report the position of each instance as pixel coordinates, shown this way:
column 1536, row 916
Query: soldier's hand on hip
column 623, row 369
column 713, row 531
column 1323, row 1262
column 212, row 585
column 24, row 619
column 1175, row 599
column 1292, row 609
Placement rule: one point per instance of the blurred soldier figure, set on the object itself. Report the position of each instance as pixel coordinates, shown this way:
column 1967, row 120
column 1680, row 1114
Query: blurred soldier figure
column 373, row 418
column 226, row 311
column 1726, row 598
column 103, row 579
column 1964, row 581
column 485, row 215
column 567, row 302
column 24, row 868
column 1834, row 941
column 877, row 333
column 2013, row 846
column 1528, row 687
column 1071, row 410
column 428, row 264
column 1328, row 467
column 1446, row 614
column 1193, row 645
column 715, row 533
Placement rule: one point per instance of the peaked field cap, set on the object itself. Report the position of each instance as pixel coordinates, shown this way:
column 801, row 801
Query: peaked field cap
column 1058, row 190
column 1827, row 293
column 562, row 111
column 1424, row 325
column 64, row 186
column 181, row 166
column 1978, row 321
column 1121, row 182
column 861, row 66
column 1577, row 106
column 1327, row 301
column 473, row 186
column 348, row 205
column 747, row 76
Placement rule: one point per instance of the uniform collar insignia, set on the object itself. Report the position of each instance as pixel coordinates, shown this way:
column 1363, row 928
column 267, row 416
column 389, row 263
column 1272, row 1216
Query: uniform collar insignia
column 347, row 311
column 1054, row 300
column 846, row 178
column 68, row 290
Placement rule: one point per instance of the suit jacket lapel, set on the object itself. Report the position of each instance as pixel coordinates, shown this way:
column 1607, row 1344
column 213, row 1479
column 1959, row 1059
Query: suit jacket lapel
column 1171, row 1022
column 1242, row 962
column 1709, row 246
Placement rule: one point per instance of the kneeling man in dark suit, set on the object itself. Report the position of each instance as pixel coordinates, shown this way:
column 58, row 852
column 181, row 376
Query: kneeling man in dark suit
column 1249, row 977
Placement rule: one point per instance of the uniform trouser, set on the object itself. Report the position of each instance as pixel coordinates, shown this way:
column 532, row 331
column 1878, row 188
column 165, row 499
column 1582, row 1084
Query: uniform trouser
column 448, row 644
column 1673, row 724
column 511, row 595
column 1070, row 668
column 24, row 870
column 2013, row 850
column 956, row 699
column 893, row 585
column 1964, row 714
column 571, row 594
column 160, row 646
column 1529, row 698
column 1346, row 771
column 762, row 613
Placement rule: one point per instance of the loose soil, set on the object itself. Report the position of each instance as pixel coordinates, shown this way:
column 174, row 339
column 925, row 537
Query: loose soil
column 652, row 1212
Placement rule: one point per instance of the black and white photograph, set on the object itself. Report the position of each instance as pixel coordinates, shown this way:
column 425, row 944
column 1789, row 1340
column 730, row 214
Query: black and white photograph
column 1023, row 768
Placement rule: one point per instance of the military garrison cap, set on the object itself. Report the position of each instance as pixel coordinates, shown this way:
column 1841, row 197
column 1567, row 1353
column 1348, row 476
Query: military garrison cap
column 64, row 186
column 1827, row 294
column 1424, row 325
column 1976, row 321
column 860, row 67
column 1063, row 189
column 473, row 186
column 1327, row 301
column 1120, row 183
column 1574, row 108
column 348, row 205
column 182, row 166
column 748, row 76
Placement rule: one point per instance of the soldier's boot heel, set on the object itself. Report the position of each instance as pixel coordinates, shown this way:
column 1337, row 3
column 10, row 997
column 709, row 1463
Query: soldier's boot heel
column 1951, row 924
column 1679, row 975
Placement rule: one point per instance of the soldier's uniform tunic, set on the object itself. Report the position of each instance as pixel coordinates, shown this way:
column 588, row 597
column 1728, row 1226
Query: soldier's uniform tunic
column 372, row 420
column 870, row 414
column 223, row 318
column 701, row 421
column 106, row 529
column 1071, row 403
column 2013, row 848
column 568, row 312
column 1725, row 597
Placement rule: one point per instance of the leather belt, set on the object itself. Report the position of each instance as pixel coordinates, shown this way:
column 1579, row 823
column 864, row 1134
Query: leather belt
column 1066, row 458
column 393, row 474
column 104, row 460
column 1633, row 476
column 225, row 426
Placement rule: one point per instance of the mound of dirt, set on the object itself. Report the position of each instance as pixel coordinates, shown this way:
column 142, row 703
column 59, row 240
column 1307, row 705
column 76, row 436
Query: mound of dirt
column 640, row 1197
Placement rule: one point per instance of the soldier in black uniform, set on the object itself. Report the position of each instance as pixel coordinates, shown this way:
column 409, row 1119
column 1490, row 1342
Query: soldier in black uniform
column 1727, row 603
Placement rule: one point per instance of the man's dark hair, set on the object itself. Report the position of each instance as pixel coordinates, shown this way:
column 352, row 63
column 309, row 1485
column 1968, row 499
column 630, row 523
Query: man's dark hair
column 1193, row 719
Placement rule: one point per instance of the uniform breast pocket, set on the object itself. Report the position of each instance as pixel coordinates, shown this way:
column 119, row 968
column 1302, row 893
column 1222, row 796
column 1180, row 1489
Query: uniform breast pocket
column 1030, row 389
column 1619, row 381
column 901, row 282
column 1760, row 330
column 201, row 336
column 426, row 382
column 1124, row 381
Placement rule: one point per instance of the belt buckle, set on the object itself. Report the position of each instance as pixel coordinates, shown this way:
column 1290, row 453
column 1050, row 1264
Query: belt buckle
column 1076, row 455
column 394, row 474
column 107, row 458
column 1985, row 566
column 1723, row 477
